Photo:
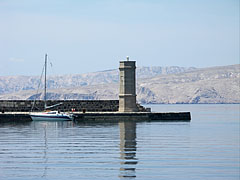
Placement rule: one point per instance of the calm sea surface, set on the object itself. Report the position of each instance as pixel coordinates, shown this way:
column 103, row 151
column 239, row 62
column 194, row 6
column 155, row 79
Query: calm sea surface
column 205, row 148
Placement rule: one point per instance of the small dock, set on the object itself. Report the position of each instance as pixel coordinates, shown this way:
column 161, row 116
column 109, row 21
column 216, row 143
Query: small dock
column 107, row 116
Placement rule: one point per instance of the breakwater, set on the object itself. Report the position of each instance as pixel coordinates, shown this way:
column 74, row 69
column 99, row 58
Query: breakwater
column 65, row 106
column 132, row 116
column 106, row 116
column 85, row 110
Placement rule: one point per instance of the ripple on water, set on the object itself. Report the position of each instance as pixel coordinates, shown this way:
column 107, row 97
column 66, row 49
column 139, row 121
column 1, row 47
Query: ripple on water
column 204, row 148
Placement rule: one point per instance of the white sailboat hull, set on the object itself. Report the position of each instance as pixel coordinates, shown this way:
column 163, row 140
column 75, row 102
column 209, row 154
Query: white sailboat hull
column 49, row 116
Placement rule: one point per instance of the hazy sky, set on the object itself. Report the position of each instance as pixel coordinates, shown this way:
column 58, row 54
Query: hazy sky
column 92, row 35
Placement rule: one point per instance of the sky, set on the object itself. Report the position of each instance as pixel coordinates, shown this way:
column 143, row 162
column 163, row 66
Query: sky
column 83, row 36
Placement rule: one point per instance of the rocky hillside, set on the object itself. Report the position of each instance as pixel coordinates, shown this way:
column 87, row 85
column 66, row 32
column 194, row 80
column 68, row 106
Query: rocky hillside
column 154, row 85
column 12, row 84
column 208, row 85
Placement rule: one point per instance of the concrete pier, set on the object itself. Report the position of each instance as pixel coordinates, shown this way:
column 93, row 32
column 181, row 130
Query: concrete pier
column 15, row 117
column 134, row 116
column 107, row 116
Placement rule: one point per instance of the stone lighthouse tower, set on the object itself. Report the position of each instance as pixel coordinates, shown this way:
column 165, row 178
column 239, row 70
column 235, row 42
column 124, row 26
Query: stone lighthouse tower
column 127, row 89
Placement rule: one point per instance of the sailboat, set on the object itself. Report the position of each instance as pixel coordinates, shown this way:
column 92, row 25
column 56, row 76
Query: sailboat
column 47, row 115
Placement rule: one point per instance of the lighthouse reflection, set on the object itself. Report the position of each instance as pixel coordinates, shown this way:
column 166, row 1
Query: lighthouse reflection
column 128, row 149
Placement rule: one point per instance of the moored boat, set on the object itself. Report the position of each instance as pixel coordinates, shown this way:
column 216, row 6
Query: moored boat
column 51, row 116
column 47, row 115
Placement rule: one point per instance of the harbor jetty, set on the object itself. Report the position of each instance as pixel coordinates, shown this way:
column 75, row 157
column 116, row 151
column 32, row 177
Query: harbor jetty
column 106, row 116
column 124, row 109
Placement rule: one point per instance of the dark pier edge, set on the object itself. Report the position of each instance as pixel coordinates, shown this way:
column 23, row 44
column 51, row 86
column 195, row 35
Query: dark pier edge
column 108, row 117
column 15, row 117
column 96, row 111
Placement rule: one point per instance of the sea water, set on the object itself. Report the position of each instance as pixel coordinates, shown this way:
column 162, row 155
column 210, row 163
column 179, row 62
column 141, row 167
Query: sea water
column 205, row 148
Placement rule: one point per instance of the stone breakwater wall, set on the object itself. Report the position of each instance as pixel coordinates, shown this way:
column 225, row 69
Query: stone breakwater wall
column 66, row 106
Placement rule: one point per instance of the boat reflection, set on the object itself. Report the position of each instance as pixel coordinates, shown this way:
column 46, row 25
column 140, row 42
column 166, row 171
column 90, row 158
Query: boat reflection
column 128, row 149
column 46, row 127
column 52, row 131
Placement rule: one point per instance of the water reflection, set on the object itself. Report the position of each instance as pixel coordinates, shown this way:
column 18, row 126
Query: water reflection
column 53, row 125
column 45, row 157
column 47, row 128
column 166, row 150
column 128, row 149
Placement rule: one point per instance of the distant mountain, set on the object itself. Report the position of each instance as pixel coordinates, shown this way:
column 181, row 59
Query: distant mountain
column 154, row 85
column 206, row 85
column 11, row 84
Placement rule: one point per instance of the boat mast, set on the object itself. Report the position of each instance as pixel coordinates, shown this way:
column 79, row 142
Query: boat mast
column 45, row 84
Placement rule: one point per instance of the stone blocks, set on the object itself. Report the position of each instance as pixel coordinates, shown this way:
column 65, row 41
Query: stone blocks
column 67, row 105
column 127, row 88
